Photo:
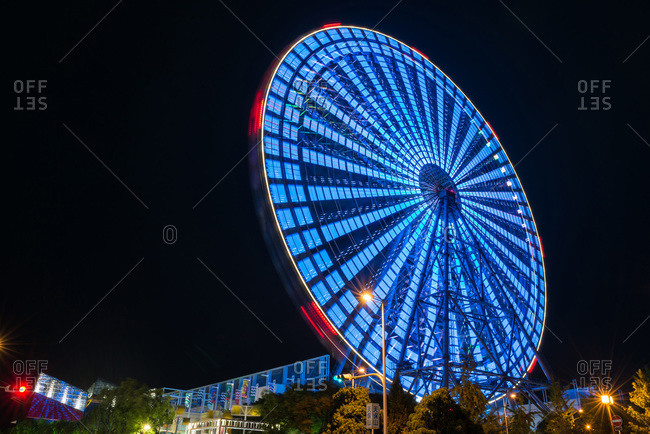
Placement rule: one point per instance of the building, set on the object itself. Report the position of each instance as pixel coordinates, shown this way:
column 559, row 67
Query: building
column 54, row 399
column 215, row 405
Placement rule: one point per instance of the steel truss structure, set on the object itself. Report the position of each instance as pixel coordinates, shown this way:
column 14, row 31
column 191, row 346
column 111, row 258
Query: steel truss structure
column 375, row 172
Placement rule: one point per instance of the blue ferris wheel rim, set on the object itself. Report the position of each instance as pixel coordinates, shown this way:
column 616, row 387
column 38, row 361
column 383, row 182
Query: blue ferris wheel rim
column 361, row 139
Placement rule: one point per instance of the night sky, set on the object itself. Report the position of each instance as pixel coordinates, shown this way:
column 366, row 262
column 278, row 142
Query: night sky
column 161, row 94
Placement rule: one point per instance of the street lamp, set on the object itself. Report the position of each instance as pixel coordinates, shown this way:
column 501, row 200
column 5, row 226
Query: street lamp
column 608, row 400
column 147, row 427
column 368, row 297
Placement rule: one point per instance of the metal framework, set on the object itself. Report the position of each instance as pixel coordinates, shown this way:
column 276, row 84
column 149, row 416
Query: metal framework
column 376, row 173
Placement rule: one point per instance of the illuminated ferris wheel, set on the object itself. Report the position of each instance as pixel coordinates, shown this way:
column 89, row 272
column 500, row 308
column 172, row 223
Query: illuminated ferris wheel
column 375, row 172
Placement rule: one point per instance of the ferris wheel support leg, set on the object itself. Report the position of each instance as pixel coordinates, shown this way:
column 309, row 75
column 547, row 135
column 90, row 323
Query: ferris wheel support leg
column 445, row 305
column 421, row 285
column 542, row 362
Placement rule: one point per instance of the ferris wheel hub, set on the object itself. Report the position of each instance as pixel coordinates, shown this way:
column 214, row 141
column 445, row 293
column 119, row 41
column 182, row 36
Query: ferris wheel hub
column 436, row 185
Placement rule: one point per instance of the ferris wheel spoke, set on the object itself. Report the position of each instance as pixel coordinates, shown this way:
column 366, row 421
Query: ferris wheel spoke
column 374, row 122
column 348, row 225
column 376, row 93
column 318, row 127
column 470, row 139
column 404, row 120
column 493, row 260
column 429, row 125
column 422, row 142
column 482, row 179
column 483, row 156
column 354, row 167
column 353, row 265
column 404, row 137
column 502, row 229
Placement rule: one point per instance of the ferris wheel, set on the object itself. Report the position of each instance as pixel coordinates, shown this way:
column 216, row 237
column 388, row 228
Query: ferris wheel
column 375, row 173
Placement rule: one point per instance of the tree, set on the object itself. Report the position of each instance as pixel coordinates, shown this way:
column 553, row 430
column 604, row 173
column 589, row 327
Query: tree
column 439, row 413
column 521, row 421
column 298, row 410
column 350, row 415
column 401, row 405
column 561, row 417
column 639, row 411
column 127, row 408
column 35, row 426
column 470, row 398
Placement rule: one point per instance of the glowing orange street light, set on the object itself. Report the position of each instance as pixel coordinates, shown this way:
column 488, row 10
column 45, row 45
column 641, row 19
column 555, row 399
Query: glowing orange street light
column 513, row 395
column 606, row 399
column 362, row 370
column 367, row 297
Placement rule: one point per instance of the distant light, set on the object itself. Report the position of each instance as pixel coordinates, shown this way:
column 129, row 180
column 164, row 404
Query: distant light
column 496, row 156
column 147, row 427
column 580, row 411
column 362, row 370
column 22, row 389
column 367, row 296
column 509, row 183
column 588, row 427
column 503, row 170
column 513, row 395
column 519, row 211
column 606, row 399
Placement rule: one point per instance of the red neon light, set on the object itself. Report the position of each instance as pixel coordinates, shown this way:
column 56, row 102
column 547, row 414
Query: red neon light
column 419, row 52
column 256, row 114
column 322, row 318
column 492, row 129
column 541, row 248
column 327, row 26
column 532, row 365
column 311, row 321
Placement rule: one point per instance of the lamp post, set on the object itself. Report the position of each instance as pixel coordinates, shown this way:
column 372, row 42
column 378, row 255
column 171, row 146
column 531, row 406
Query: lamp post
column 367, row 296
column 608, row 400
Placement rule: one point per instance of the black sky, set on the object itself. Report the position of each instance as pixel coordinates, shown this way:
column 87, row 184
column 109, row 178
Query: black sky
column 161, row 92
